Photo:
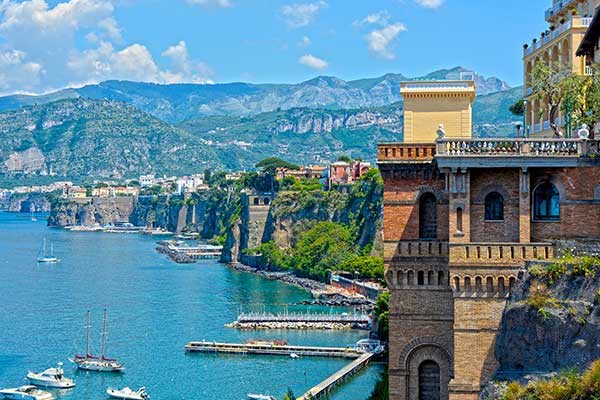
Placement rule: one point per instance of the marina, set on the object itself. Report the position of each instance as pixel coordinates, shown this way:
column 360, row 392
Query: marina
column 155, row 304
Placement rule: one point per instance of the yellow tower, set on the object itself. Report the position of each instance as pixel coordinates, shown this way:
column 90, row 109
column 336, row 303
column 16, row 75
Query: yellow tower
column 429, row 104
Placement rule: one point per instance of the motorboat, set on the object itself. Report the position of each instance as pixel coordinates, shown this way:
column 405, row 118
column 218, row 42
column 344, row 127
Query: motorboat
column 89, row 362
column 127, row 393
column 52, row 377
column 294, row 356
column 260, row 397
column 44, row 257
column 28, row 392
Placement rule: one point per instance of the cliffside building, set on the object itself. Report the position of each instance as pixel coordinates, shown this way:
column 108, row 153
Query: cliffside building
column 461, row 218
column 568, row 21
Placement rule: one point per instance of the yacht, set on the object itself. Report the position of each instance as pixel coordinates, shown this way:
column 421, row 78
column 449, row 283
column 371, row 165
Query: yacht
column 25, row 393
column 88, row 362
column 44, row 257
column 260, row 397
column 127, row 393
column 52, row 378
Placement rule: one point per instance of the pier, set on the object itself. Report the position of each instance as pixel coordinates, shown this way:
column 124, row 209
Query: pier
column 272, row 349
column 323, row 388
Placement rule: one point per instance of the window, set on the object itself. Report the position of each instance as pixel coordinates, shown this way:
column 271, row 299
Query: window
column 546, row 203
column 459, row 219
column 494, row 207
column 429, row 381
column 428, row 217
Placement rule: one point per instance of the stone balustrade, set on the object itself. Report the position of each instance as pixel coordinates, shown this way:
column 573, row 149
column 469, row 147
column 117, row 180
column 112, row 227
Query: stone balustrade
column 499, row 253
column 513, row 147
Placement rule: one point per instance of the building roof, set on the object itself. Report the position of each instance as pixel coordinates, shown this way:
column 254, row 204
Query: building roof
column 588, row 44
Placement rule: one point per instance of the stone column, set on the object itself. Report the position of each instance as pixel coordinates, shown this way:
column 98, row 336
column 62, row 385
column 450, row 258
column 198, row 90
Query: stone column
column 524, row 207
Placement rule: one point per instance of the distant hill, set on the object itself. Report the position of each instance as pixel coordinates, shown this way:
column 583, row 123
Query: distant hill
column 96, row 138
column 176, row 103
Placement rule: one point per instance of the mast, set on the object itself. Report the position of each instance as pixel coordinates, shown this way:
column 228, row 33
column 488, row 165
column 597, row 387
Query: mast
column 44, row 247
column 103, row 334
column 87, row 336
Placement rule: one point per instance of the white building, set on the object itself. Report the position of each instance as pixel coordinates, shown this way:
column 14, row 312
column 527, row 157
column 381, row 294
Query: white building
column 190, row 184
column 147, row 180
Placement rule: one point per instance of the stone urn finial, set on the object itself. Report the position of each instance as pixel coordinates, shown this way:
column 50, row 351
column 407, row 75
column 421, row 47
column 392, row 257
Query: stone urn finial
column 441, row 132
column 584, row 132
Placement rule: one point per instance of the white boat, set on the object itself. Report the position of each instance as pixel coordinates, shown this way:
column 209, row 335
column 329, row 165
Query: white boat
column 89, row 362
column 260, row 397
column 29, row 392
column 294, row 356
column 44, row 257
column 127, row 393
column 52, row 377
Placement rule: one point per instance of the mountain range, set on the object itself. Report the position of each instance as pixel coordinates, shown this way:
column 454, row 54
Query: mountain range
column 123, row 129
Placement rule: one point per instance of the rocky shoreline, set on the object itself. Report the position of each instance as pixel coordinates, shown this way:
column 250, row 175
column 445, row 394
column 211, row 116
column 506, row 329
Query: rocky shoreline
column 321, row 298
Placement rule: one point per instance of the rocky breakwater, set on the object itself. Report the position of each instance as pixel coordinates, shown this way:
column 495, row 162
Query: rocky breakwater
column 165, row 247
column 278, row 325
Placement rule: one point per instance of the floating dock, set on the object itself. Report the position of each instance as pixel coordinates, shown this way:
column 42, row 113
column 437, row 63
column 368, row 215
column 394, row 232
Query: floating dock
column 323, row 388
column 273, row 349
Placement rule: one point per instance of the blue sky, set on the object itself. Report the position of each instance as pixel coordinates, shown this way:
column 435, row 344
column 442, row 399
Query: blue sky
column 46, row 45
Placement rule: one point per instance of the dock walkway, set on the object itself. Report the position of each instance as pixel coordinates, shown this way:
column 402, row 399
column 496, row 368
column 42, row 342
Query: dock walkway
column 334, row 380
column 272, row 349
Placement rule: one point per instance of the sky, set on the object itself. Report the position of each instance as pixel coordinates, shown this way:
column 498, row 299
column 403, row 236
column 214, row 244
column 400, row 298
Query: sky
column 47, row 45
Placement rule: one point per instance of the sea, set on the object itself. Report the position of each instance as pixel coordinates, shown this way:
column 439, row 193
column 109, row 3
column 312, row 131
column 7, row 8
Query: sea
column 154, row 307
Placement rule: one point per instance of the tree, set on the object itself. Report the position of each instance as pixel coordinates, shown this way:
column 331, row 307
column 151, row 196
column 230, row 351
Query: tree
column 345, row 158
column 382, row 315
column 518, row 108
column 551, row 86
column 289, row 395
column 271, row 164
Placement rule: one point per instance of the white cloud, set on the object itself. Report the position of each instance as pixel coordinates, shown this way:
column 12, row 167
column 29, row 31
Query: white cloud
column 41, row 49
column 211, row 3
column 380, row 18
column 302, row 14
column 313, row 62
column 430, row 3
column 381, row 40
column 305, row 42
column 183, row 69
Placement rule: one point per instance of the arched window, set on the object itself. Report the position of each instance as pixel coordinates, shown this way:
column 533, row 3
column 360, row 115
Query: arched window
column 456, row 283
column 420, row 278
column 494, row 207
column 267, row 201
column 428, row 217
column 256, row 201
column 410, row 278
column 489, row 285
column 429, row 381
column 459, row 219
column 501, row 285
column 441, row 278
column 430, row 278
column 546, row 203
column 400, row 278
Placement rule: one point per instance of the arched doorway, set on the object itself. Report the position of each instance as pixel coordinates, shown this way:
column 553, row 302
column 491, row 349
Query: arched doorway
column 429, row 380
column 428, row 217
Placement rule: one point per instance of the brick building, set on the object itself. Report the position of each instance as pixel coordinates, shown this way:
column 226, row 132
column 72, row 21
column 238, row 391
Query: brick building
column 461, row 217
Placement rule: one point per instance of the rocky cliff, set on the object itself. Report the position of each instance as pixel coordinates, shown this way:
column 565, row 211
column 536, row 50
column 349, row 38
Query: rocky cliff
column 27, row 203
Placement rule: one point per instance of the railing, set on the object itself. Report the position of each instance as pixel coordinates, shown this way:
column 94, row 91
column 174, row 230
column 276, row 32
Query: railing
column 546, row 125
column 406, row 152
column 510, row 147
column 589, row 71
column 499, row 253
column 558, row 7
column 573, row 22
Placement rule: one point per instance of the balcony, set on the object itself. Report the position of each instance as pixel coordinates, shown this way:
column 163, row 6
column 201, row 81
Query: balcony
column 589, row 71
column 574, row 22
column 498, row 253
column 558, row 9
column 406, row 152
column 525, row 153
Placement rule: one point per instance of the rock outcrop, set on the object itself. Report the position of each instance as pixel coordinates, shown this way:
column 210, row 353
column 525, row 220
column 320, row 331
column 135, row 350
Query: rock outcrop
column 28, row 202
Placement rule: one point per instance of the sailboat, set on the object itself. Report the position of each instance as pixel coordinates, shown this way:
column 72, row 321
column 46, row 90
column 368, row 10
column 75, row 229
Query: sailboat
column 89, row 362
column 44, row 257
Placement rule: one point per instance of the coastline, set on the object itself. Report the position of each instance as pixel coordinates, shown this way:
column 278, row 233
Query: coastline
column 323, row 294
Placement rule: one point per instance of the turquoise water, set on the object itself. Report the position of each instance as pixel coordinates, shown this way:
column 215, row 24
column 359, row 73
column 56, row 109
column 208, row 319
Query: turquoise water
column 155, row 307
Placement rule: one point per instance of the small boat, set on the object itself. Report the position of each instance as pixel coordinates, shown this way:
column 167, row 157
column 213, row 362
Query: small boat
column 260, row 397
column 294, row 356
column 88, row 362
column 52, row 377
column 29, row 392
column 127, row 393
column 44, row 257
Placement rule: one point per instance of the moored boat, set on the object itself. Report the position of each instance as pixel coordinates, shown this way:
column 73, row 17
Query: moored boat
column 28, row 392
column 51, row 377
column 260, row 397
column 128, row 394
column 44, row 257
column 88, row 362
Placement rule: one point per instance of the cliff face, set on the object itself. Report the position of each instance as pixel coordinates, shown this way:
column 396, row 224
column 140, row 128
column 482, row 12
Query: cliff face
column 26, row 203
column 563, row 333
column 93, row 212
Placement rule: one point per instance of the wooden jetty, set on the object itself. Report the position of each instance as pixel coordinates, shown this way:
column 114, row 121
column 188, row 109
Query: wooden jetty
column 334, row 380
column 267, row 348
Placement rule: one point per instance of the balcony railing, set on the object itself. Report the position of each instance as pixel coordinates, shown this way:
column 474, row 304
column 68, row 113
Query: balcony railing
column 511, row 147
column 499, row 253
column 558, row 7
column 589, row 71
column 406, row 152
column 574, row 22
